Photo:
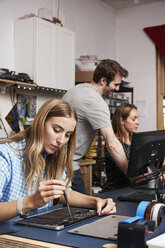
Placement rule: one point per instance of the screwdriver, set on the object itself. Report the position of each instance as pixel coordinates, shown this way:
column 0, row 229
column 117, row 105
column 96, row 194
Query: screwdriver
column 67, row 203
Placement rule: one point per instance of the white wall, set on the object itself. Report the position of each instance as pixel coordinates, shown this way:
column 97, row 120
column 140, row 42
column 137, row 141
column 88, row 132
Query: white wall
column 136, row 52
column 94, row 24
column 9, row 11
column 92, row 20
column 99, row 30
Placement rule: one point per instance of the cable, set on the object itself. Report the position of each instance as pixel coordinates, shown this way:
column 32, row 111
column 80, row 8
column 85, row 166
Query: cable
column 4, row 127
column 147, row 178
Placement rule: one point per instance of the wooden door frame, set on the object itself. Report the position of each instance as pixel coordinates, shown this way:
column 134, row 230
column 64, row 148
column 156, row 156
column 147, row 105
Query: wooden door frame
column 160, row 68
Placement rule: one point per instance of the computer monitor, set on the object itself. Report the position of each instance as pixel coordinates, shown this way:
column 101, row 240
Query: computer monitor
column 147, row 154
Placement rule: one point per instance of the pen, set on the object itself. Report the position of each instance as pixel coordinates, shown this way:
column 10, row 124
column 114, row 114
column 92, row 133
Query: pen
column 66, row 200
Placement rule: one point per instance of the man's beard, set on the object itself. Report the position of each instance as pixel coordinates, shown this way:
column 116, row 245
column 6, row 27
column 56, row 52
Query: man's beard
column 107, row 93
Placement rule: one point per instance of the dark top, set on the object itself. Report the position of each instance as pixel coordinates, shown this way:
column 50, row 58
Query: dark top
column 115, row 177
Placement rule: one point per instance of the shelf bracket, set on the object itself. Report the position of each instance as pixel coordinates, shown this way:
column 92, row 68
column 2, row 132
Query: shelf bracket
column 2, row 89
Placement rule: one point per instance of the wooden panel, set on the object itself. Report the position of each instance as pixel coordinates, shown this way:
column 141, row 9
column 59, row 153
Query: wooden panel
column 7, row 82
column 8, row 241
column 86, row 171
column 160, row 89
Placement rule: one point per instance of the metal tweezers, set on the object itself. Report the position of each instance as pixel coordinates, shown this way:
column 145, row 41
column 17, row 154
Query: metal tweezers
column 67, row 203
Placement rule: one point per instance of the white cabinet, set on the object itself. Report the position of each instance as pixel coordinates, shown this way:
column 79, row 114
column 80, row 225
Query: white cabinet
column 43, row 53
column 46, row 52
column 65, row 56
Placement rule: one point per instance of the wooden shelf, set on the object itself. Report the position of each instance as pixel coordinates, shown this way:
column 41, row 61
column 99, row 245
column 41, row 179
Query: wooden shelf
column 29, row 86
column 7, row 83
column 50, row 90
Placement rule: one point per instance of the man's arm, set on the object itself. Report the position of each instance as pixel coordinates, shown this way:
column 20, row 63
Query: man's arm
column 115, row 148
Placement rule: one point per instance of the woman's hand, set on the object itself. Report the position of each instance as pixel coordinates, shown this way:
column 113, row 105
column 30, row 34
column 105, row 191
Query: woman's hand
column 105, row 206
column 47, row 191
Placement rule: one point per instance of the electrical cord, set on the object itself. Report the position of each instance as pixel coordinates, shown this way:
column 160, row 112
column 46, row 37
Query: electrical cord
column 158, row 176
column 4, row 127
column 147, row 178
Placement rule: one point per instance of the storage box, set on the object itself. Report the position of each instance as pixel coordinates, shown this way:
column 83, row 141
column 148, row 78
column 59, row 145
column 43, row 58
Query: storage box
column 84, row 76
column 88, row 65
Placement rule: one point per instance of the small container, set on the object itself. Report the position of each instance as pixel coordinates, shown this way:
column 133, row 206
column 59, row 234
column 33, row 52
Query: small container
column 103, row 178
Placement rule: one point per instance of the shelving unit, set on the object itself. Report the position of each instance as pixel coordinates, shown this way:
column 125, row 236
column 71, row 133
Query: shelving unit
column 17, row 87
column 124, row 95
column 8, row 83
column 4, row 83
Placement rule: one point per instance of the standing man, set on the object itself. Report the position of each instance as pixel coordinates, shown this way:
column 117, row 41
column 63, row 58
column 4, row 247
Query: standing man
column 93, row 114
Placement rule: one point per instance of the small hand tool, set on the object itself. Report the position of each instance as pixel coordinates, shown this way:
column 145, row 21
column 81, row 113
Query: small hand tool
column 67, row 203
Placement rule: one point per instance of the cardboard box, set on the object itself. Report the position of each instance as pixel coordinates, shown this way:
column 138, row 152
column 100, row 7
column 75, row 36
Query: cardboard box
column 84, row 76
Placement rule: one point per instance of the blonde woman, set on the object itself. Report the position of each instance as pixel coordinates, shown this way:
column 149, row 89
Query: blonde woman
column 36, row 164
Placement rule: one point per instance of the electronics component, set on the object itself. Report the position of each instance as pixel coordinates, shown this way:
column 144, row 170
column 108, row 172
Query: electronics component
column 57, row 218
column 104, row 227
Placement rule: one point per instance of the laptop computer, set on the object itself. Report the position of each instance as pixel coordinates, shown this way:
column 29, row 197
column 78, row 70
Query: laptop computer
column 137, row 196
column 57, row 218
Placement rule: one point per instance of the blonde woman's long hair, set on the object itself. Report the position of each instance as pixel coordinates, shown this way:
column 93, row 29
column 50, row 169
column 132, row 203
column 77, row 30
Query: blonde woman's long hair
column 34, row 163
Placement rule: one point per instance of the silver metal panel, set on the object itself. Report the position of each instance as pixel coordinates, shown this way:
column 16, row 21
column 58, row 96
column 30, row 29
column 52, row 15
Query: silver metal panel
column 105, row 227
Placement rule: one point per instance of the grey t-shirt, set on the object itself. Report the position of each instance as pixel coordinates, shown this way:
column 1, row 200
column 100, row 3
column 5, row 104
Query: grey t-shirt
column 92, row 113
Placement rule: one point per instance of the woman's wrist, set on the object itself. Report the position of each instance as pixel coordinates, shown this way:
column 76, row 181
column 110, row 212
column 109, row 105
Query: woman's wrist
column 96, row 200
column 27, row 205
column 19, row 208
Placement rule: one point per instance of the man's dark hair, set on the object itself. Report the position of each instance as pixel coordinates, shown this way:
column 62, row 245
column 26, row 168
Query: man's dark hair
column 108, row 68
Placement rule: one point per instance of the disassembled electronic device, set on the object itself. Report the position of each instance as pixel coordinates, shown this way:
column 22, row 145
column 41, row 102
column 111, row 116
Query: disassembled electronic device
column 58, row 219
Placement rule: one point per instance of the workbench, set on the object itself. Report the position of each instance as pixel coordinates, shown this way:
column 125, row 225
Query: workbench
column 35, row 237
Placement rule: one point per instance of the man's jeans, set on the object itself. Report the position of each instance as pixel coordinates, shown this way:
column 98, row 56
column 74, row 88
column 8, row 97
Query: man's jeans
column 78, row 182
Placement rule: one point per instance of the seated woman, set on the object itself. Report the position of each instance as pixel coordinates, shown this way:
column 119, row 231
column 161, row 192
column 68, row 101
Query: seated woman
column 36, row 165
column 124, row 122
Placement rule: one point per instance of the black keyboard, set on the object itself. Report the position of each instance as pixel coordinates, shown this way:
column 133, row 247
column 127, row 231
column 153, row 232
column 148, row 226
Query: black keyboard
column 137, row 196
